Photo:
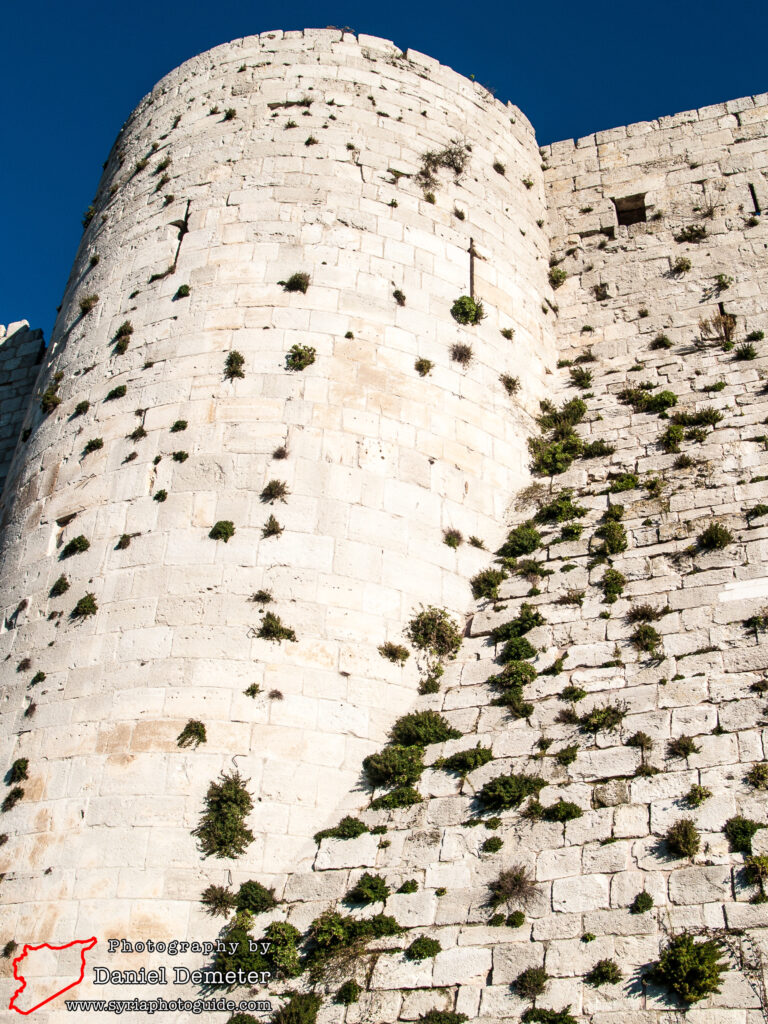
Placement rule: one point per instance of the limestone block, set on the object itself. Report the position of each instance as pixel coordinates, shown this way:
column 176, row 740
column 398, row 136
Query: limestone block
column 347, row 853
column 395, row 972
column 463, row 965
column 592, row 893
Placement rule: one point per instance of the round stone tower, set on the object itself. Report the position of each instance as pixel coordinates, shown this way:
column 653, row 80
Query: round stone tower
column 310, row 189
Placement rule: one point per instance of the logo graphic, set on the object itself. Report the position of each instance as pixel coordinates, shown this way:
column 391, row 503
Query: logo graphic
column 84, row 944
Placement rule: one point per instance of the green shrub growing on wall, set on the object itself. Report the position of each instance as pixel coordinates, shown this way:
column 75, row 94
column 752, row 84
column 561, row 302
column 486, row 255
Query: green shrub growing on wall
column 395, row 765
column 298, row 282
column 612, row 585
column 603, row 717
column 233, row 365
column 218, row 900
column 531, row 983
column 486, row 584
column 273, row 629
column 423, row 948
column 76, row 546
column 642, row 903
column 347, row 828
column 605, row 972
column 301, row 1008
column 49, row 400
column 400, row 796
column 12, row 798
column 506, row 792
column 348, row 993
column 614, row 537
column 255, row 897
column 714, row 538
column 85, row 607
column 368, row 889
column 222, row 831
column 222, row 530
column 646, row 639
column 18, row 772
column 299, row 357
column 561, row 509
column 60, row 586
column 433, row 630
column 683, row 838
column 333, row 933
column 522, row 540
column 536, row 1016
column 466, row 310
column 740, row 832
column 193, row 734
column 465, row 761
column 562, row 811
column 557, row 276
column 692, row 970
column 395, row 653
column 420, row 728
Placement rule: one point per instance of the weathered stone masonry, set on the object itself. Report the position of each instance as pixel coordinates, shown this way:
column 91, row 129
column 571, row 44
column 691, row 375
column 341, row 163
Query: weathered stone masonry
column 380, row 462
column 21, row 352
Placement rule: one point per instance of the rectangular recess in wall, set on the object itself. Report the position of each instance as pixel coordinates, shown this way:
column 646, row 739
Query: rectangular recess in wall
column 630, row 209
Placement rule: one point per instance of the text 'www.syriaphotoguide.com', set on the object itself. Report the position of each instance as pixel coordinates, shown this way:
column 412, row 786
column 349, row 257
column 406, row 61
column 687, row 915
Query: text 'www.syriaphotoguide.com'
column 160, row 1005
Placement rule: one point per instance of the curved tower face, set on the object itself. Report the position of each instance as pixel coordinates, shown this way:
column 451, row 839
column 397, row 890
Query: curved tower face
column 396, row 186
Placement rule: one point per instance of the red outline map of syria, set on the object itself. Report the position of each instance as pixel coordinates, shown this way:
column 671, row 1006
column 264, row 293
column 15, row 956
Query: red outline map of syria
column 85, row 945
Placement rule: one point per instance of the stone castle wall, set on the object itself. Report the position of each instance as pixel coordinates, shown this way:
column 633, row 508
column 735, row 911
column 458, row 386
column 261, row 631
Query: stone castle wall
column 380, row 462
column 21, row 351
column 703, row 684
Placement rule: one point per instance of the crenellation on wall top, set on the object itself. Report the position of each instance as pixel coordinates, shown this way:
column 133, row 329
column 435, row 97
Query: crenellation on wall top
column 711, row 112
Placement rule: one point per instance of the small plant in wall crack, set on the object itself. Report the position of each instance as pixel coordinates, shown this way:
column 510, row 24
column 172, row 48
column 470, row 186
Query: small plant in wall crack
column 273, row 629
column 18, row 772
column 218, row 900
column 61, row 586
column 222, row 831
column 467, row 311
column 299, row 358
column 298, row 282
column 12, row 798
column 76, row 546
column 233, row 366
column 461, row 354
column 85, row 607
column 271, row 528
column 395, row 653
column 275, row 490
column 192, row 735
column 224, row 529
column 691, row 969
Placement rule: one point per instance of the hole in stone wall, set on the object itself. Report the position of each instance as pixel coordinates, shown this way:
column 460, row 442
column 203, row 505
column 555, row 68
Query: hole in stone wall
column 754, row 199
column 630, row 209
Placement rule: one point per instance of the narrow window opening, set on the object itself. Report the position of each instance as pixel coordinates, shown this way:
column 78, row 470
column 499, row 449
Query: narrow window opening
column 754, row 199
column 631, row 209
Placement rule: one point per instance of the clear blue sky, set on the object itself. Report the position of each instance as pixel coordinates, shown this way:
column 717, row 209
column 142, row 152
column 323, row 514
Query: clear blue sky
column 72, row 70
